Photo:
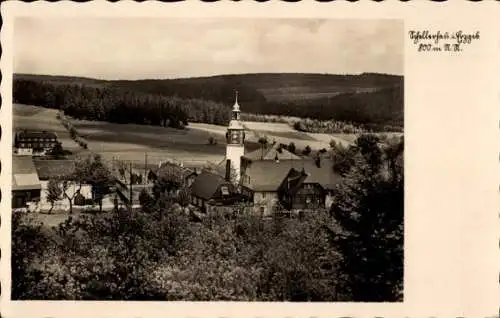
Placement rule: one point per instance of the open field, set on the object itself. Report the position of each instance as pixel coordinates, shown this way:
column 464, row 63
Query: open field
column 275, row 127
column 133, row 143
column 309, row 92
column 38, row 118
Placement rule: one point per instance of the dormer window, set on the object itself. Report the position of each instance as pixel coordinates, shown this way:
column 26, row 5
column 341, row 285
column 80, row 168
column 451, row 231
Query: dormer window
column 224, row 190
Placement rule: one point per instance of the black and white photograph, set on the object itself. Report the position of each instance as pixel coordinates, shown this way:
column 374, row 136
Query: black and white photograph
column 208, row 159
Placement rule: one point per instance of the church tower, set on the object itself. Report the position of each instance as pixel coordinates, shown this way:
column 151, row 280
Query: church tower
column 235, row 139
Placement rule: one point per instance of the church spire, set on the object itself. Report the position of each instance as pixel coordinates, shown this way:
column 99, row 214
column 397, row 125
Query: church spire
column 235, row 148
column 236, row 106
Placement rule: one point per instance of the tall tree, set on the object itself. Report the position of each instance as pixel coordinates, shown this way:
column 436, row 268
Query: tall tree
column 54, row 193
column 368, row 224
column 99, row 176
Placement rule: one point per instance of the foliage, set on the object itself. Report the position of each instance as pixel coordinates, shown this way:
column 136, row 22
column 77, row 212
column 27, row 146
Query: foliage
column 212, row 140
column 263, row 141
column 29, row 242
column 157, row 253
column 368, row 226
column 327, row 126
column 343, row 158
column 379, row 110
column 72, row 130
column 373, row 102
column 88, row 170
column 54, row 193
column 118, row 105
column 94, row 172
column 307, row 150
column 57, row 152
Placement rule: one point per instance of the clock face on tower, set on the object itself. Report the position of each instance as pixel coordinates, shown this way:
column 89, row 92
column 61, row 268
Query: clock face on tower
column 236, row 137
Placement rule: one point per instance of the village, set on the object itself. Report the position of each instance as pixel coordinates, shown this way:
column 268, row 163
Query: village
column 263, row 181
column 213, row 162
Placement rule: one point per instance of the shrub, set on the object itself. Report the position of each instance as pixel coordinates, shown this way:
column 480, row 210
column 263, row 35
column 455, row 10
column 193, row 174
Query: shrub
column 72, row 132
column 307, row 150
column 212, row 140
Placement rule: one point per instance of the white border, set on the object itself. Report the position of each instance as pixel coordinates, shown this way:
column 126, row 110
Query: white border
column 451, row 128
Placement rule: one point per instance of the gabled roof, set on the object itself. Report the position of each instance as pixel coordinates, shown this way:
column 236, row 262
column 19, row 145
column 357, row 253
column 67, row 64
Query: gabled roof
column 271, row 153
column 268, row 175
column 292, row 182
column 323, row 175
column 24, row 174
column 48, row 169
column 206, row 184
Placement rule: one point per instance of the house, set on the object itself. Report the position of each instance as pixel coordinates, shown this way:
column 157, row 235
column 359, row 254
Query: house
column 272, row 176
column 26, row 186
column 310, row 188
column 28, row 143
column 209, row 189
column 60, row 170
column 294, row 184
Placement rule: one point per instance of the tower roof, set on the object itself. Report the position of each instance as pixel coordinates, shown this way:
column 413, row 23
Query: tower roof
column 236, row 106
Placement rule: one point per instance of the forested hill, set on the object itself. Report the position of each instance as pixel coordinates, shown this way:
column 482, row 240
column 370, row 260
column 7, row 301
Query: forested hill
column 320, row 96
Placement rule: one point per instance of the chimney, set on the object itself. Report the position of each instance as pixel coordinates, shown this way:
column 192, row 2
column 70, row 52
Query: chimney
column 228, row 170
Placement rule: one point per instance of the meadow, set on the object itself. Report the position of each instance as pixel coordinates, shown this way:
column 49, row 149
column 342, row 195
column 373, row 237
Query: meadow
column 133, row 143
column 38, row 118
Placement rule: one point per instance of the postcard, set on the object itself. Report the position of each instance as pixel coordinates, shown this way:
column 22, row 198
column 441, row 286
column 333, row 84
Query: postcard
column 245, row 159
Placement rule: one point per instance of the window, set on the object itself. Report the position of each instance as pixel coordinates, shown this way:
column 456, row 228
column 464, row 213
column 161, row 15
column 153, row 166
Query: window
column 308, row 199
column 224, row 190
column 263, row 195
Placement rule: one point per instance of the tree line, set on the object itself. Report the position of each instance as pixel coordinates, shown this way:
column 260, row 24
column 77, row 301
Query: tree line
column 176, row 102
column 378, row 111
column 352, row 253
column 116, row 105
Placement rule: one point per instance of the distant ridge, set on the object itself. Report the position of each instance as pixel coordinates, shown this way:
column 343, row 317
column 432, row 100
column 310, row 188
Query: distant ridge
column 69, row 77
column 365, row 98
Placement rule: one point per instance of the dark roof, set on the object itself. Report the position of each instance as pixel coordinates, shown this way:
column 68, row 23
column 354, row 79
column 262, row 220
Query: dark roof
column 206, row 184
column 268, row 175
column 48, row 169
column 293, row 181
column 35, row 134
column 324, row 175
column 271, row 153
column 24, row 174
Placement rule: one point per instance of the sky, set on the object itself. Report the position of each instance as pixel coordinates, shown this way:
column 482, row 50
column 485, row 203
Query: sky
column 139, row 48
